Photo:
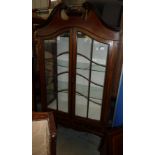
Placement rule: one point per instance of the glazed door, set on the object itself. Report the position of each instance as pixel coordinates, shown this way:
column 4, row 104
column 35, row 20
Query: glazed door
column 91, row 61
column 56, row 60
column 75, row 69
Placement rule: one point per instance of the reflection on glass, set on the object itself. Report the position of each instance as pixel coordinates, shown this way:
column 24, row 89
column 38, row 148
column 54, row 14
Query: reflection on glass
column 56, row 72
column 90, row 76
column 100, row 52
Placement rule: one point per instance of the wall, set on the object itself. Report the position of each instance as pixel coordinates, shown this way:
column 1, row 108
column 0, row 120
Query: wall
column 118, row 115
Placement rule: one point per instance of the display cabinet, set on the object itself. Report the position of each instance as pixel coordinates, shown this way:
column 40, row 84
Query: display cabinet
column 77, row 54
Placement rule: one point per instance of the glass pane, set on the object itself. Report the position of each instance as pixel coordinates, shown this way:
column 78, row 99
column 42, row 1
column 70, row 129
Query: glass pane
column 97, row 77
column 94, row 111
column 49, row 48
column 62, row 70
column 62, row 62
column 63, row 101
column 96, row 91
column 57, row 68
column 63, row 82
column 82, row 74
column 62, row 43
column 81, row 106
column 82, row 85
column 84, row 45
column 99, row 58
column 82, row 63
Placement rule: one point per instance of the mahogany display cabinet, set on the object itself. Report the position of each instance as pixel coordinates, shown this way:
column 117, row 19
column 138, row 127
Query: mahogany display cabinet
column 79, row 61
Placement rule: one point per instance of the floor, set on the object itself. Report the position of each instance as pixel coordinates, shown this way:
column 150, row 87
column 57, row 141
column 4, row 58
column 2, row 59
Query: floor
column 71, row 142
